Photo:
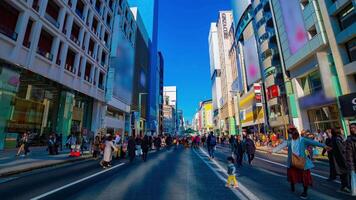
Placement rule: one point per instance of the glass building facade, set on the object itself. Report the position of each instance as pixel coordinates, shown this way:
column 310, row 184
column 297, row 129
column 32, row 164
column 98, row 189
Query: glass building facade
column 30, row 102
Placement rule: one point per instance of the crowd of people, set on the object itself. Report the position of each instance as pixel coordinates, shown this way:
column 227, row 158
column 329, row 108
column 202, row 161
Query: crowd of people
column 130, row 147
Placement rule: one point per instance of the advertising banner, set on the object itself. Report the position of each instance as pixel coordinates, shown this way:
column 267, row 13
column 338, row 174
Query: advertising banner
column 294, row 24
column 252, row 64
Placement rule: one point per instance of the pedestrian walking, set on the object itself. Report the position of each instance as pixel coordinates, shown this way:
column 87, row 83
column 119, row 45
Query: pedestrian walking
column 328, row 142
column 145, row 146
column 239, row 151
column 350, row 154
column 108, row 152
column 96, row 147
column 211, row 142
column 250, row 149
column 338, row 148
column 131, row 147
column 298, row 163
column 231, row 171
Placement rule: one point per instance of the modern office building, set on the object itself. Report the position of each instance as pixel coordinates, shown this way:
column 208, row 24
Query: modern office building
column 120, row 76
column 141, row 78
column 148, row 10
column 309, row 62
column 340, row 27
column 227, row 111
column 215, row 74
column 249, row 82
column 170, row 95
column 54, row 61
column 161, row 85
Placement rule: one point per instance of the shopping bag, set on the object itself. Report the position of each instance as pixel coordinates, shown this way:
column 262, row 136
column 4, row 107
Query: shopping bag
column 353, row 183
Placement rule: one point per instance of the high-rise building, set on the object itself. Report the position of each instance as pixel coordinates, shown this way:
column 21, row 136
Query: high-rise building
column 170, row 98
column 215, row 74
column 227, row 111
column 249, row 83
column 54, row 61
column 141, row 78
column 148, row 10
column 161, row 85
column 120, row 74
column 309, row 62
column 339, row 21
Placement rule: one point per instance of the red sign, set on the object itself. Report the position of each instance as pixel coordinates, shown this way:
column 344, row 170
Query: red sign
column 272, row 92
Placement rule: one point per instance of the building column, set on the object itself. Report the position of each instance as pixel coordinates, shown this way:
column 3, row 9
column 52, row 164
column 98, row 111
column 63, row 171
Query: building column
column 20, row 26
column 76, row 63
column 81, row 36
column 55, row 49
column 74, row 4
column 43, row 6
column 63, row 55
column 62, row 14
column 69, row 25
column 82, row 68
column 34, row 38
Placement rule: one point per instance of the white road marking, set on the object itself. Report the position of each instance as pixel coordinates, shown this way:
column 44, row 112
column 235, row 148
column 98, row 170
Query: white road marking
column 76, row 182
column 242, row 188
column 285, row 166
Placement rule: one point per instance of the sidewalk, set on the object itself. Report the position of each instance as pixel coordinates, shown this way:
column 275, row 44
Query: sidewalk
column 37, row 158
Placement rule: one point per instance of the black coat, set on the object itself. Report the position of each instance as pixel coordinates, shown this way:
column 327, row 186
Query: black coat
column 145, row 144
column 131, row 146
column 239, row 148
column 338, row 151
column 350, row 152
column 250, row 146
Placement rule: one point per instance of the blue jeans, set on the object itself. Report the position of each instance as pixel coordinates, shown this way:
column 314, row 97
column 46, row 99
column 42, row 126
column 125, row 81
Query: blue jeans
column 211, row 150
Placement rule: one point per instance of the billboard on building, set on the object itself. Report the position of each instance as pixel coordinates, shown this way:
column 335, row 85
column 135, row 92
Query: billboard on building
column 294, row 24
column 252, row 65
column 122, row 65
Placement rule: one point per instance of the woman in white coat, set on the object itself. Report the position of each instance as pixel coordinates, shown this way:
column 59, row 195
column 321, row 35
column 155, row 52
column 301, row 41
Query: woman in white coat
column 109, row 148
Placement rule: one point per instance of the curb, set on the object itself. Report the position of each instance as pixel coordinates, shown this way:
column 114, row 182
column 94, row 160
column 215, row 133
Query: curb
column 6, row 174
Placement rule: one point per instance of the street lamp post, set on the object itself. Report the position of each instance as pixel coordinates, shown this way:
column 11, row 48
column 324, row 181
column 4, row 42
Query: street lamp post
column 140, row 110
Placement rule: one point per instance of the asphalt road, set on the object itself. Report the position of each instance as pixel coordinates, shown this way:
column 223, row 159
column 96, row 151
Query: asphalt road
column 168, row 174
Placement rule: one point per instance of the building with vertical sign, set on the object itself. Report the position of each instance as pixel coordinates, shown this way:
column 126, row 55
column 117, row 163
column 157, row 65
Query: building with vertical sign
column 227, row 112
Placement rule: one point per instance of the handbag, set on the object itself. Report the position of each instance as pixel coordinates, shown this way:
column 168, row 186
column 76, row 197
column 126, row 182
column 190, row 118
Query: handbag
column 298, row 162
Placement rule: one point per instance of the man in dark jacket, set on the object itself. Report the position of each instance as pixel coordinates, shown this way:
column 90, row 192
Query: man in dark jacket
column 211, row 142
column 144, row 146
column 350, row 150
column 328, row 142
column 250, row 149
column 239, row 150
column 131, row 147
column 341, row 169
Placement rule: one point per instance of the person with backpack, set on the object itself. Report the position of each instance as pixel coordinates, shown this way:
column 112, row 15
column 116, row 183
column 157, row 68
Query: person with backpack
column 211, row 142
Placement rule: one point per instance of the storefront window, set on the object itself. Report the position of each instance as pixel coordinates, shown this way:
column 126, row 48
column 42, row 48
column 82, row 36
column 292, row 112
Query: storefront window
column 28, row 102
column 323, row 118
column 311, row 83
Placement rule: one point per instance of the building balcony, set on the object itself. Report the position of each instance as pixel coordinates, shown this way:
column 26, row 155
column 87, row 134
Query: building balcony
column 51, row 20
column 8, row 32
column 70, row 68
column 45, row 53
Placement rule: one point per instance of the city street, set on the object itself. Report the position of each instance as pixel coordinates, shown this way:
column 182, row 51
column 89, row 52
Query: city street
column 168, row 174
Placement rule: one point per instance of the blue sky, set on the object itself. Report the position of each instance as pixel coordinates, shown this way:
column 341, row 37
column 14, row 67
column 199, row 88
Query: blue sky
column 183, row 39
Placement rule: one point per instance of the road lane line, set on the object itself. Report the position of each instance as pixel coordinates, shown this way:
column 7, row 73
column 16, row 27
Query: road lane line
column 243, row 189
column 285, row 166
column 76, row 182
column 236, row 192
